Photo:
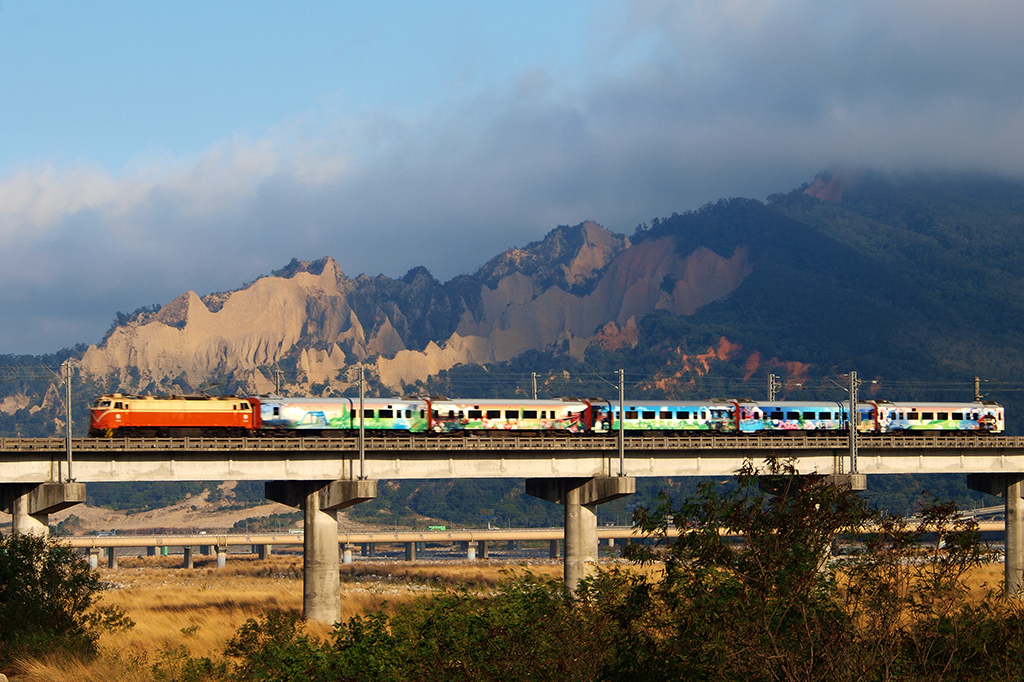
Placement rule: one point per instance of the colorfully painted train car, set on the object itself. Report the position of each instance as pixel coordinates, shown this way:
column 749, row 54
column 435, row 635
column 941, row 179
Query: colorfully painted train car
column 562, row 415
column 120, row 415
column 322, row 415
column 671, row 416
column 981, row 417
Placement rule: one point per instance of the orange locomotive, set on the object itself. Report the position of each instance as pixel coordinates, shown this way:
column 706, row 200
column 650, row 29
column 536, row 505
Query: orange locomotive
column 172, row 416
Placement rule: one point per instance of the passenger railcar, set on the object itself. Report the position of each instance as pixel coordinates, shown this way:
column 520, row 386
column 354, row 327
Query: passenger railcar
column 562, row 415
column 322, row 415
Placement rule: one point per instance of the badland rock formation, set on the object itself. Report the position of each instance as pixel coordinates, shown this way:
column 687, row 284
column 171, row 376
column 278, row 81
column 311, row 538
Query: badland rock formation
column 579, row 285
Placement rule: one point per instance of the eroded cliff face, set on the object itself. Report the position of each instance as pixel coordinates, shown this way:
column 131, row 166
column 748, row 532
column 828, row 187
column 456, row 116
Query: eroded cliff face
column 577, row 286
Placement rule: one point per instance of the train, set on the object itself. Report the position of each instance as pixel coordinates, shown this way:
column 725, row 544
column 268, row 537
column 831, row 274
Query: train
column 119, row 415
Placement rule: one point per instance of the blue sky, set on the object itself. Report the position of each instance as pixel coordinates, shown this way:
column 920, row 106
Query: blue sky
column 151, row 148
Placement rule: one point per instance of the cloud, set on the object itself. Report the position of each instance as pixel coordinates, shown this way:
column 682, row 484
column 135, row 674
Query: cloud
column 678, row 104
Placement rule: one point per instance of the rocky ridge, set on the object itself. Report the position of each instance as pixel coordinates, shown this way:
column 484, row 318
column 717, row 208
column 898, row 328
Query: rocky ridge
column 577, row 286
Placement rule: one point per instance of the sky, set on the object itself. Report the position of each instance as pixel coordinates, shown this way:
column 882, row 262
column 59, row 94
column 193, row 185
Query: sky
column 147, row 149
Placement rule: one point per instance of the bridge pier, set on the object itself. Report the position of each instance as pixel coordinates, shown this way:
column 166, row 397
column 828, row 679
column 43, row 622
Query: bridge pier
column 580, row 497
column 1009, row 486
column 30, row 504
column 320, row 502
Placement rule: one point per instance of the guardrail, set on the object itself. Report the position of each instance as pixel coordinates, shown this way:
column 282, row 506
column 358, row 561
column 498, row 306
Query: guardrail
column 484, row 443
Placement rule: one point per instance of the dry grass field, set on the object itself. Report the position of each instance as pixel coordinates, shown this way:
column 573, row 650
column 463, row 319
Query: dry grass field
column 201, row 609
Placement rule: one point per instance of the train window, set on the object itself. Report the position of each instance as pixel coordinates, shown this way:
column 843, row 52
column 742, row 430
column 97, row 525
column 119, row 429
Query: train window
column 958, row 416
column 511, row 414
column 543, row 414
column 460, row 414
column 776, row 415
column 367, row 414
column 529, row 414
column 118, row 406
column 808, row 415
column 682, row 415
column 386, row 414
column 649, row 414
column 927, row 416
column 792, row 415
column 630, row 414
column 475, row 414
column 494, row 414
column 451, row 414
column 942, row 415
column 913, row 416
column 703, row 414
column 665, row 415
column 824, row 415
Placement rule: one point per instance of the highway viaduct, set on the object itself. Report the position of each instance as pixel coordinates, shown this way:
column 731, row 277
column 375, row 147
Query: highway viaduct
column 323, row 475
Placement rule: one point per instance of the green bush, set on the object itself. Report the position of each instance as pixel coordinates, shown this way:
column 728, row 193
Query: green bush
column 47, row 592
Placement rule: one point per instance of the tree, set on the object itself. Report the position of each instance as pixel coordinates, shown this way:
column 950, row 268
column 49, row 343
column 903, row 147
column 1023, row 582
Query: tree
column 47, row 592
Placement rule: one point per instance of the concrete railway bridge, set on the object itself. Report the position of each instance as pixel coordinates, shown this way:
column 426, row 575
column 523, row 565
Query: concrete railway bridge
column 323, row 475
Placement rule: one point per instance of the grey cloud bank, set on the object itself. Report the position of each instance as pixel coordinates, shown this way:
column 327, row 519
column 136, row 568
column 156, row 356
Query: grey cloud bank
column 682, row 103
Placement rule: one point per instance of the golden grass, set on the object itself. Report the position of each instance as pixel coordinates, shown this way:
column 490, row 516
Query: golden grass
column 202, row 608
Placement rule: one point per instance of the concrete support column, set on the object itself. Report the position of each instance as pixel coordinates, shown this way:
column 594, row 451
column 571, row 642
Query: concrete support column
column 471, row 551
column 485, row 550
column 151, row 550
column 1014, row 566
column 1009, row 486
column 512, row 545
column 30, row 504
column 580, row 538
column 346, row 553
column 112, row 558
column 580, row 497
column 187, row 561
column 554, row 549
column 262, row 551
column 364, row 549
column 94, row 558
column 410, row 551
column 222, row 556
column 321, row 581
column 320, row 502
column 204, row 550
column 371, row 549
column 611, row 542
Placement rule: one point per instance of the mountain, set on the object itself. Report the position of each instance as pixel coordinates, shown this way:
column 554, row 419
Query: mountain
column 912, row 280
column 312, row 318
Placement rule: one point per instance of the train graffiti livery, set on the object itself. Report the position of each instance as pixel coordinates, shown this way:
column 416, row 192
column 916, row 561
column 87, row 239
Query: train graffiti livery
column 120, row 415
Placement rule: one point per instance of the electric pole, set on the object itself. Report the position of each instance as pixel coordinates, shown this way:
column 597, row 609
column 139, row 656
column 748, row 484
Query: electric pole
column 854, row 421
column 773, row 386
